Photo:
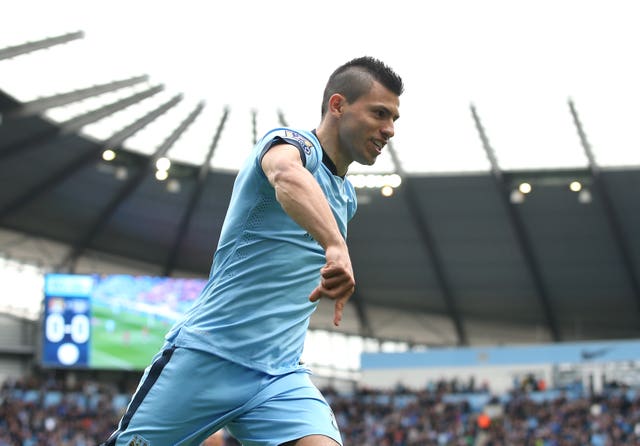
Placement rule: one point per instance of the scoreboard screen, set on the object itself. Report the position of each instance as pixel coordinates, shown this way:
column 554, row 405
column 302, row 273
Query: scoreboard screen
column 110, row 322
column 67, row 320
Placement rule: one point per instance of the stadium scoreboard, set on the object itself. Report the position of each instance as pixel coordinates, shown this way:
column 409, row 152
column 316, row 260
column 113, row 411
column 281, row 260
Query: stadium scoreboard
column 67, row 320
column 110, row 321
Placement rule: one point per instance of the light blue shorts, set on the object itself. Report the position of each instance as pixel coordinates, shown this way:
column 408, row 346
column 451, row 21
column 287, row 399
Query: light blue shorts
column 185, row 395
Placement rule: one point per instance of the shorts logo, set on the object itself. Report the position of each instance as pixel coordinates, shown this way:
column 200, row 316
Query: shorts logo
column 304, row 142
column 137, row 440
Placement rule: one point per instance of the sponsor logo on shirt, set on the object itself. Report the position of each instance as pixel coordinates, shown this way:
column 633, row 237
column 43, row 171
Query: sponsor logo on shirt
column 305, row 144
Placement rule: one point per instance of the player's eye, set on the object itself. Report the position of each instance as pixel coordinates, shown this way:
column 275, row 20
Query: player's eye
column 381, row 114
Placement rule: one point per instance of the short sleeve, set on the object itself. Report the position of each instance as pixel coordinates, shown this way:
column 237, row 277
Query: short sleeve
column 307, row 144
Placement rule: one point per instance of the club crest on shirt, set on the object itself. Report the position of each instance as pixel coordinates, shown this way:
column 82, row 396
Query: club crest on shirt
column 304, row 142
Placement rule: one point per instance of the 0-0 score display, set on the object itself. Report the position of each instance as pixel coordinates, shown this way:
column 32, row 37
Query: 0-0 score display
column 67, row 321
column 110, row 321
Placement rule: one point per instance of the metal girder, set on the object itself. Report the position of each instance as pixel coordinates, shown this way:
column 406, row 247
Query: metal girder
column 428, row 241
column 281, row 119
column 194, row 199
column 366, row 329
column 41, row 104
column 177, row 133
column 601, row 188
column 92, row 155
column 126, row 191
column 254, row 125
column 74, row 124
column 119, row 137
column 13, row 51
column 525, row 244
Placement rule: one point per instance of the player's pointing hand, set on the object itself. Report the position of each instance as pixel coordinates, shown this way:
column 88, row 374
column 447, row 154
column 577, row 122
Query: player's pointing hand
column 336, row 280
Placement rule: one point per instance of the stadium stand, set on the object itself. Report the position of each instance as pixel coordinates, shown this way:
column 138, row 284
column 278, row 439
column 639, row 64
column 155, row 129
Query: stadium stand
column 51, row 411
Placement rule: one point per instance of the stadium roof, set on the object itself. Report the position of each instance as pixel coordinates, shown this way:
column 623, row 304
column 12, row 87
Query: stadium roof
column 456, row 255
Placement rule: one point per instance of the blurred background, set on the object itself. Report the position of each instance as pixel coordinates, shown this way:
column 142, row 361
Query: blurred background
column 496, row 244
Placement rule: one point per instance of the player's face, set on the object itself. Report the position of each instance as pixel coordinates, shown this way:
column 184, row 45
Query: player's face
column 367, row 124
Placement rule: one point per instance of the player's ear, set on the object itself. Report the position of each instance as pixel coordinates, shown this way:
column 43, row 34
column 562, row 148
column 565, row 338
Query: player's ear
column 337, row 103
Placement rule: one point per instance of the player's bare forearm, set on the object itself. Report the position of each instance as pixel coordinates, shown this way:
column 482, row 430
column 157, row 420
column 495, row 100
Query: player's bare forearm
column 300, row 195
column 303, row 200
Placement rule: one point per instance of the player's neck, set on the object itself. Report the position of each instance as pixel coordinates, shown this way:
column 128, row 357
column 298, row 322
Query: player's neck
column 329, row 141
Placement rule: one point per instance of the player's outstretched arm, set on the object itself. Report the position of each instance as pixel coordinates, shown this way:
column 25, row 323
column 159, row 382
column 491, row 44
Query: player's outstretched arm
column 303, row 200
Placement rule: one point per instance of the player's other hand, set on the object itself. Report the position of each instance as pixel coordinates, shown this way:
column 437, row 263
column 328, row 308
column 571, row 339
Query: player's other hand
column 336, row 280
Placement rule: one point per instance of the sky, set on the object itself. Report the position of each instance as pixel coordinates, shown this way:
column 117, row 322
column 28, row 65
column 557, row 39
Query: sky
column 517, row 62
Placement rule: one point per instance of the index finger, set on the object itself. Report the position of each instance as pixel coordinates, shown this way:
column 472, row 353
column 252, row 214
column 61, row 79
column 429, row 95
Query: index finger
column 337, row 312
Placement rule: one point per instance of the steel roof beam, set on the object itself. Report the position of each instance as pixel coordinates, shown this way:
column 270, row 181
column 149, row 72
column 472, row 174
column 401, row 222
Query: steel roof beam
column 194, row 199
column 92, row 155
column 119, row 137
column 281, row 119
column 410, row 195
column 254, row 125
column 366, row 329
column 13, row 51
column 615, row 225
column 42, row 104
column 525, row 244
column 75, row 124
column 126, row 191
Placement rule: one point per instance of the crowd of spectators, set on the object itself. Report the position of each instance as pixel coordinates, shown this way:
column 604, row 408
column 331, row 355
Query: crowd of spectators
column 519, row 418
column 54, row 412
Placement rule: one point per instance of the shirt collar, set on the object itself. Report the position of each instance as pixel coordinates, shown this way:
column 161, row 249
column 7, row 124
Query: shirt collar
column 325, row 158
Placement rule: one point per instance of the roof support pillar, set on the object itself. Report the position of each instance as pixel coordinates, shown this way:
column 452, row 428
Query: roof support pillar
column 610, row 212
column 194, row 199
column 521, row 234
column 428, row 241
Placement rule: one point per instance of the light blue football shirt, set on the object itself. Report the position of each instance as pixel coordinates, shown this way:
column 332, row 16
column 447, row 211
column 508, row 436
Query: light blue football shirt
column 255, row 308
